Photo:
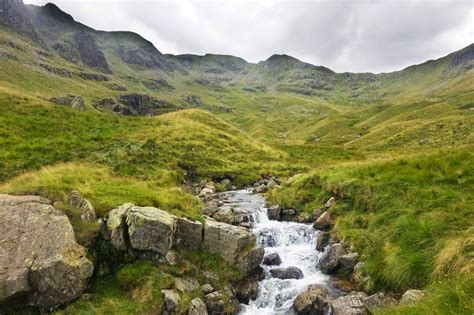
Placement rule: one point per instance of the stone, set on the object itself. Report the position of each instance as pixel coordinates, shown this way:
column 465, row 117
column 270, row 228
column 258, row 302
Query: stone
column 206, row 192
column 234, row 244
column 207, row 288
column 359, row 266
column 377, row 300
column 274, row 212
column 330, row 259
column 117, row 226
column 330, row 202
column 218, row 302
column 188, row 234
column 350, row 304
column 226, row 182
column 211, row 207
column 260, row 189
column 323, row 222
column 197, row 307
column 172, row 257
column 411, row 296
column 289, row 212
column 323, row 240
column 304, row 217
column 40, row 259
column 224, row 214
column 247, row 289
column 271, row 184
column 78, row 103
column 287, row 273
column 272, row 259
column 233, row 187
column 313, row 300
column 349, row 260
column 83, row 205
column 186, row 284
column 150, row 229
column 172, row 300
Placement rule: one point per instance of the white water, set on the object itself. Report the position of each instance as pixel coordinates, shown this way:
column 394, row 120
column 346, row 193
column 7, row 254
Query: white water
column 294, row 242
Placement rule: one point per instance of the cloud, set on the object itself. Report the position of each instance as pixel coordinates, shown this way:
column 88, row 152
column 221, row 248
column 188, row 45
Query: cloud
column 357, row 36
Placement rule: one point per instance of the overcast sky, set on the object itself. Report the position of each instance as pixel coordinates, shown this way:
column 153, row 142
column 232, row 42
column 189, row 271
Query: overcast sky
column 357, row 36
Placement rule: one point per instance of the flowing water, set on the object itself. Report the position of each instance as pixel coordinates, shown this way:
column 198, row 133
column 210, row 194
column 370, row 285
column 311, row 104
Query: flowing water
column 294, row 242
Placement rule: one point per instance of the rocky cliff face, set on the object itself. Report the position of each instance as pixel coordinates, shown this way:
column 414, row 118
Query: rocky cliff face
column 14, row 14
column 89, row 52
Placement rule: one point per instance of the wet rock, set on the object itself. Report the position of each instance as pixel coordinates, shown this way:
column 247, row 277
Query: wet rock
column 39, row 253
column 186, row 284
column 349, row 260
column 83, row 205
column 350, row 304
column 274, row 212
column 150, row 229
column 236, row 245
column 197, row 307
column 378, row 300
column 247, row 289
column 313, row 300
column 323, row 222
column 330, row 260
column 172, row 300
column 287, row 273
column 323, row 240
column 188, row 234
column 118, row 227
column 411, row 296
column 272, row 259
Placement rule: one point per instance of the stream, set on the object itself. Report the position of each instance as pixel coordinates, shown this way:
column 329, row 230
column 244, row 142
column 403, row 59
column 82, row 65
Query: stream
column 294, row 243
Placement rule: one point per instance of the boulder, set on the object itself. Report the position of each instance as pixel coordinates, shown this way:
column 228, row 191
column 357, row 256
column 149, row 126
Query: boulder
column 349, row 260
column 206, row 192
column 224, row 214
column 260, row 189
column 188, row 234
column 274, row 212
column 350, row 304
column 272, row 259
column 330, row 202
column 78, row 103
column 289, row 212
column 150, row 229
column 40, row 260
column 323, row 222
column 186, row 284
column 197, row 307
column 83, row 205
column 411, row 296
column 377, row 300
column 172, row 300
column 330, row 260
column 313, row 300
column 207, row 288
column 287, row 273
column 323, row 240
column 219, row 302
column 118, row 227
column 271, row 183
column 247, row 289
column 211, row 207
column 304, row 217
column 234, row 244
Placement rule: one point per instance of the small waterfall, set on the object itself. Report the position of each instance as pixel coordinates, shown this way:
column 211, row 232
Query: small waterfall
column 294, row 243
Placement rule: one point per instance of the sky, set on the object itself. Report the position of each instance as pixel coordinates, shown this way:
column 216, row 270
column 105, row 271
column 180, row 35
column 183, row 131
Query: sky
column 343, row 35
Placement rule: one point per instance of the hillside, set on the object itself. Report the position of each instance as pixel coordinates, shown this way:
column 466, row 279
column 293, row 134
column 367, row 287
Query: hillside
column 109, row 115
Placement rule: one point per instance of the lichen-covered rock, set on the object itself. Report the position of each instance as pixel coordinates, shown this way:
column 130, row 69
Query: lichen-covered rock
column 313, row 300
column 150, row 229
column 234, row 244
column 172, row 300
column 350, row 304
column 82, row 204
column 219, row 302
column 330, row 260
column 188, row 234
column 39, row 258
column 197, row 307
column 411, row 296
column 118, row 227
column 377, row 300
column 186, row 284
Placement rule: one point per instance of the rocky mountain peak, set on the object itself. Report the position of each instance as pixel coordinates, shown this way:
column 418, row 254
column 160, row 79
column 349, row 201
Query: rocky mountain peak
column 53, row 11
column 13, row 13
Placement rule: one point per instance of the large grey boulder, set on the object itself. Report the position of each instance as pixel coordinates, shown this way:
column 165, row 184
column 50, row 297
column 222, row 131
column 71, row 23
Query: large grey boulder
column 234, row 244
column 188, row 234
column 274, row 212
column 287, row 273
column 313, row 300
column 197, row 307
column 351, row 304
column 150, row 229
column 330, row 259
column 40, row 258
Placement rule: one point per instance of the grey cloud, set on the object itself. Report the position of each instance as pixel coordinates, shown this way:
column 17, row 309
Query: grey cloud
column 360, row 35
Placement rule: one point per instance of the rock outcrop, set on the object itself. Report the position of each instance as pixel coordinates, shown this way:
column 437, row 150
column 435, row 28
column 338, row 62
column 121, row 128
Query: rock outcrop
column 40, row 259
column 90, row 54
column 351, row 304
